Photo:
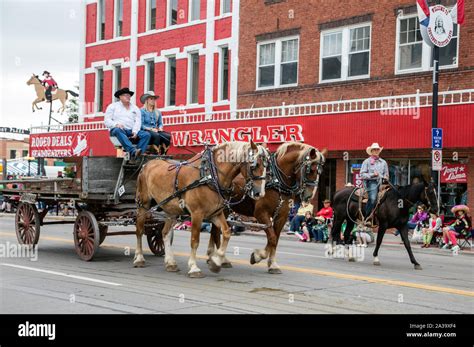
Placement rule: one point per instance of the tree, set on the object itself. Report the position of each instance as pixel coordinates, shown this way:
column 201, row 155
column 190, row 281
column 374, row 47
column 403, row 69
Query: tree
column 72, row 107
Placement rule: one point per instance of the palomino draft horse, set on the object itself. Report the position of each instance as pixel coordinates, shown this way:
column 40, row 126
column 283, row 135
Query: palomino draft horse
column 198, row 188
column 293, row 173
column 60, row 94
column 392, row 212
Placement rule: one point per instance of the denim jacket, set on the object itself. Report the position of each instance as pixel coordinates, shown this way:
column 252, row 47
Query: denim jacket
column 151, row 119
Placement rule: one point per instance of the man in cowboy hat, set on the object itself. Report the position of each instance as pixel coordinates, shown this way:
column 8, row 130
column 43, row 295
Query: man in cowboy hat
column 374, row 170
column 124, row 121
column 49, row 83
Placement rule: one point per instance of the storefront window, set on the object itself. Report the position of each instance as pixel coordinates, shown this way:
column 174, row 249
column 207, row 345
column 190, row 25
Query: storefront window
column 453, row 178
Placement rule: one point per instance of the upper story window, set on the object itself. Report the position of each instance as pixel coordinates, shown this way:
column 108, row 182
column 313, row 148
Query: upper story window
column 278, row 63
column 414, row 54
column 101, row 20
column 171, row 82
column 99, row 92
column 195, row 10
column 345, row 53
column 150, row 75
column 117, row 76
column 193, row 78
column 118, row 18
column 224, row 74
column 151, row 15
column 172, row 12
column 226, row 6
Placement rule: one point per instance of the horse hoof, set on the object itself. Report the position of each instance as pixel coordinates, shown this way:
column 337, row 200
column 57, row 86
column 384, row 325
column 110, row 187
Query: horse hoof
column 227, row 266
column 352, row 259
column 376, row 263
column 274, row 271
column 197, row 274
column 213, row 266
column 252, row 259
column 139, row 264
column 418, row 267
column 172, row 268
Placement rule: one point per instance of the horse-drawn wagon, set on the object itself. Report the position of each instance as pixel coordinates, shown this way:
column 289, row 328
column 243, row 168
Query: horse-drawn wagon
column 102, row 191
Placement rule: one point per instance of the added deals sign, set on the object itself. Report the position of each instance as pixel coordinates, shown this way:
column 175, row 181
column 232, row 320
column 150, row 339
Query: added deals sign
column 258, row 134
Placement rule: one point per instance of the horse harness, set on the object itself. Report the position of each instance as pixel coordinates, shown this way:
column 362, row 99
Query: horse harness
column 208, row 176
column 278, row 179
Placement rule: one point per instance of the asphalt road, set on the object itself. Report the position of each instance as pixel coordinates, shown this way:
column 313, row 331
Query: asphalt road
column 59, row 282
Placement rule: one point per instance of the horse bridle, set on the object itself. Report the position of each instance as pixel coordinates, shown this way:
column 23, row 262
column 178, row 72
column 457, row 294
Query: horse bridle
column 251, row 167
column 304, row 170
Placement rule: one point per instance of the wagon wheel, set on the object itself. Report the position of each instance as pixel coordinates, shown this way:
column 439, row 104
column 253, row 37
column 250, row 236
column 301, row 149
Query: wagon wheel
column 155, row 239
column 86, row 235
column 27, row 224
column 103, row 232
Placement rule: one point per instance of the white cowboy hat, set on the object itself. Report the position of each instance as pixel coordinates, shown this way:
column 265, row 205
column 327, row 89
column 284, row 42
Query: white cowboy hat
column 375, row 145
column 321, row 218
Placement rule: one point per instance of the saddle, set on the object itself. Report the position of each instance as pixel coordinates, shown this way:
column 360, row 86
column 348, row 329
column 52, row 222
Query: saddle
column 361, row 193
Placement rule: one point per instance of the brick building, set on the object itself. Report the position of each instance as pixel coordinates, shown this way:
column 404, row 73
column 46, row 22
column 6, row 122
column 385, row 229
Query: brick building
column 181, row 49
column 322, row 52
column 333, row 74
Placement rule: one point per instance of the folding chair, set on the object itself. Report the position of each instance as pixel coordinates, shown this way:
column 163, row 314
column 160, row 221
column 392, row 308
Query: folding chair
column 465, row 240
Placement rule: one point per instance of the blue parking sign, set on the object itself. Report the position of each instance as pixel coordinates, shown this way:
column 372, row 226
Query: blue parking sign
column 437, row 138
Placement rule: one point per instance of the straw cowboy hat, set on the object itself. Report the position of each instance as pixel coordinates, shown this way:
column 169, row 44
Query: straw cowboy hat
column 460, row 208
column 321, row 218
column 375, row 145
column 150, row 94
column 123, row 91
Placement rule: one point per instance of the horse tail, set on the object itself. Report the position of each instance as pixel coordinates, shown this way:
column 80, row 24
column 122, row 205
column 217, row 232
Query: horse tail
column 72, row 93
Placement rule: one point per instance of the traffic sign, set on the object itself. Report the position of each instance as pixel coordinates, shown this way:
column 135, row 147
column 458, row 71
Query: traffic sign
column 437, row 138
column 437, row 159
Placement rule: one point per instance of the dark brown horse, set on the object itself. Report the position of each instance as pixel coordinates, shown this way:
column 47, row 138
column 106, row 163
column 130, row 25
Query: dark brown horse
column 294, row 172
column 178, row 189
column 391, row 213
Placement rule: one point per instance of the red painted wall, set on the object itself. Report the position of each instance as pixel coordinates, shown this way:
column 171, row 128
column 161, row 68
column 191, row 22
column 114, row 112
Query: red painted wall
column 107, row 89
column 181, row 81
column 127, row 8
column 223, row 28
column 113, row 50
column 89, row 94
column 172, row 39
column 109, row 19
column 91, row 27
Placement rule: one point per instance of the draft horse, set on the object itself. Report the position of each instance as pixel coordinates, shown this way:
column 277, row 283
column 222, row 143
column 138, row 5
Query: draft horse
column 293, row 173
column 198, row 188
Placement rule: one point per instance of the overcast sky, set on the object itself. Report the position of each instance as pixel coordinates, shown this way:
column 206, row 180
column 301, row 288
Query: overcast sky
column 36, row 35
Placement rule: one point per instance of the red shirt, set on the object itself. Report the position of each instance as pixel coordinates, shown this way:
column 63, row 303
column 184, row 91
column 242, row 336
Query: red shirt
column 325, row 212
column 49, row 82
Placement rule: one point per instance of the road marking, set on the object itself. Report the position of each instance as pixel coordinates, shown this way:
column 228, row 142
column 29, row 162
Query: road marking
column 60, row 274
column 304, row 270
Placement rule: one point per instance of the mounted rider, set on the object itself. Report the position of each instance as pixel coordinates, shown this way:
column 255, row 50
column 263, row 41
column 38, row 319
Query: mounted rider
column 374, row 172
column 49, row 84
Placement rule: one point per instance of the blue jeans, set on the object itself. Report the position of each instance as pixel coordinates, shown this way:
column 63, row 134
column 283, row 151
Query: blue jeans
column 372, row 188
column 296, row 223
column 124, row 135
column 317, row 234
